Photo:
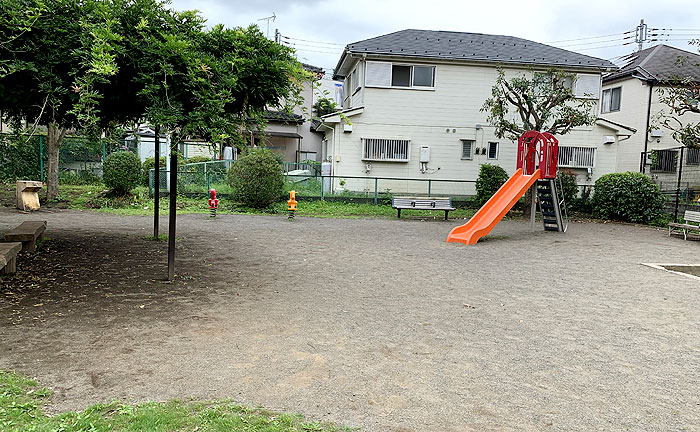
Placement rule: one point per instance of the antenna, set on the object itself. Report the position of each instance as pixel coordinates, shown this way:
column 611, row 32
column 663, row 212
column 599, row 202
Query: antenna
column 640, row 35
column 272, row 17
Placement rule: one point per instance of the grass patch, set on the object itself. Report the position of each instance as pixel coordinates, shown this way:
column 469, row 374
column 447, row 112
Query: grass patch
column 22, row 399
column 160, row 238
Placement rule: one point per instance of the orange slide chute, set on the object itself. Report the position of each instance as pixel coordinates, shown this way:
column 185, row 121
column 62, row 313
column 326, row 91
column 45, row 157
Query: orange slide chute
column 495, row 208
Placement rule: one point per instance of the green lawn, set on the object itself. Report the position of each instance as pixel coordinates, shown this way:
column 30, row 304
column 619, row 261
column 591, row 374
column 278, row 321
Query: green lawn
column 21, row 401
column 93, row 197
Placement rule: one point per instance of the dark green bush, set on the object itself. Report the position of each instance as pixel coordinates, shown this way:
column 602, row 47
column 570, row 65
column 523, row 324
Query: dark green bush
column 627, row 196
column 256, row 179
column 147, row 166
column 491, row 177
column 121, row 172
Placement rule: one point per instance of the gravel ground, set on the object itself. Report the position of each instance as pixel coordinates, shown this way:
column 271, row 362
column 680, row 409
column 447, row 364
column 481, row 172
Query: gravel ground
column 378, row 324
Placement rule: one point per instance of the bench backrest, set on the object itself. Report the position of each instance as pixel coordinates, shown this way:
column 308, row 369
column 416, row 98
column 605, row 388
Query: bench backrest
column 437, row 203
column 692, row 216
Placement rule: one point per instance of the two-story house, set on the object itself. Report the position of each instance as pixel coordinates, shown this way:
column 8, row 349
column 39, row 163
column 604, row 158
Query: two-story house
column 412, row 105
column 631, row 96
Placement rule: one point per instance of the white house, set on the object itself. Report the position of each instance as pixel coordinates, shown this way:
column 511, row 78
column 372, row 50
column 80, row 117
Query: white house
column 419, row 92
column 631, row 96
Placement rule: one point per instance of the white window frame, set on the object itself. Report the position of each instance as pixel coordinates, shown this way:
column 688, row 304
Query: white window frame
column 471, row 149
column 387, row 142
column 410, row 87
column 488, row 150
column 609, row 91
column 594, row 150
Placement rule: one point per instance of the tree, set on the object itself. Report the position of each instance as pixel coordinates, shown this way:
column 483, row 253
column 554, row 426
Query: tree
column 50, row 66
column 324, row 106
column 682, row 95
column 544, row 102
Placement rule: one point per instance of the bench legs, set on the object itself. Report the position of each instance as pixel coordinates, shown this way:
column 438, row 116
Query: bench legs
column 446, row 211
column 399, row 215
column 11, row 267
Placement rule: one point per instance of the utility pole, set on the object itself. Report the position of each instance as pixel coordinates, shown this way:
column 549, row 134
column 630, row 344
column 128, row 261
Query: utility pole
column 641, row 35
column 278, row 35
column 273, row 17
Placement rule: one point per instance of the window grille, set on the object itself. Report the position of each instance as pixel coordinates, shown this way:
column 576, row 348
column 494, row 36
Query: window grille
column 389, row 150
column 576, row 157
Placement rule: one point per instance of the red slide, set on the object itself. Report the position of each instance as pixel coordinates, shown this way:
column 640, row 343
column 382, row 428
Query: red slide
column 495, row 208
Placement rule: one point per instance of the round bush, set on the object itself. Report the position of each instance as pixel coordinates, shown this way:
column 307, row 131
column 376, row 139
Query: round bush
column 491, row 177
column 148, row 165
column 627, row 196
column 256, row 179
column 121, row 172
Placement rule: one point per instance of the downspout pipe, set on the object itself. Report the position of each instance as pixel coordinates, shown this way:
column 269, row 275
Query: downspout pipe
column 646, row 130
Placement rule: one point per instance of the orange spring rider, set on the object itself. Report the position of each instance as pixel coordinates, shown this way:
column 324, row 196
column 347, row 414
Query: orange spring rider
column 292, row 204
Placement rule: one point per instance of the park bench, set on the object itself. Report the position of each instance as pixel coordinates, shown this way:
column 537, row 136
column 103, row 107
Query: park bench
column 8, row 257
column 422, row 203
column 691, row 225
column 27, row 233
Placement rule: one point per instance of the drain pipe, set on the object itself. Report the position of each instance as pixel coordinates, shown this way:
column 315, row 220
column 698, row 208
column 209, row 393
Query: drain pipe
column 646, row 130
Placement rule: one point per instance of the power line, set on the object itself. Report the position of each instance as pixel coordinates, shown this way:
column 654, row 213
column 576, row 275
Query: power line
column 608, row 46
column 596, row 42
column 312, row 41
column 592, row 37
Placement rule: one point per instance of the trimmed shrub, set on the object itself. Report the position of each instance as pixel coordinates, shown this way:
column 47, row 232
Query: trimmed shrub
column 569, row 188
column 122, row 172
column 627, row 196
column 148, row 165
column 491, row 177
column 198, row 159
column 256, row 179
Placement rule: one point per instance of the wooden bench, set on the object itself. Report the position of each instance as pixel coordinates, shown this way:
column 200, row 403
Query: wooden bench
column 422, row 203
column 27, row 233
column 690, row 217
column 8, row 257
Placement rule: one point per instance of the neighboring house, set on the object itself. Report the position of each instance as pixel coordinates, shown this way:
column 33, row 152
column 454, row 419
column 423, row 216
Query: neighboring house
column 631, row 96
column 290, row 133
column 413, row 89
column 143, row 140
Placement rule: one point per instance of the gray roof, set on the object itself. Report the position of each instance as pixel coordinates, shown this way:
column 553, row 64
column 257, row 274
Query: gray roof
column 659, row 63
column 471, row 47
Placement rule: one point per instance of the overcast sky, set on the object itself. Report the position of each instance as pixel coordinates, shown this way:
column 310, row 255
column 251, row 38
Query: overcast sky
column 321, row 28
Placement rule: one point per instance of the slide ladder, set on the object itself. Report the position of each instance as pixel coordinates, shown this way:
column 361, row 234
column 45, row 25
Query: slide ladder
column 550, row 206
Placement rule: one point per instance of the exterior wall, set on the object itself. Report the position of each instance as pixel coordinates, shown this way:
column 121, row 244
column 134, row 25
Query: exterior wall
column 634, row 106
column 439, row 119
column 198, row 149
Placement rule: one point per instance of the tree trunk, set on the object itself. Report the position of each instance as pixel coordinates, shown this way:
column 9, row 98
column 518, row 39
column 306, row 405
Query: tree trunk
column 54, row 139
column 527, row 205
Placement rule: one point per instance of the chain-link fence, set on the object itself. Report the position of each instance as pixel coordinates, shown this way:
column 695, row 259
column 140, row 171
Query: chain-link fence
column 80, row 158
column 677, row 172
column 195, row 178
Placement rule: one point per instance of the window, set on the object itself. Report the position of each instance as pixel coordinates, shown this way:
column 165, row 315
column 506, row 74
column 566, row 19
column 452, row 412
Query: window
column 467, row 148
column 611, row 100
column 576, row 157
column 664, row 160
column 693, row 156
column 354, row 80
column 401, row 76
column 385, row 74
column 587, row 86
column 493, row 150
column 387, row 150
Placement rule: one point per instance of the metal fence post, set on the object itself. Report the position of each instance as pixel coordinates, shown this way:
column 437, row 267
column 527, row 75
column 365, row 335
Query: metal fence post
column 41, row 157
column 678, row 186
column 206, row 175
column 104, row 150
column 376, row 189
column 430, row 183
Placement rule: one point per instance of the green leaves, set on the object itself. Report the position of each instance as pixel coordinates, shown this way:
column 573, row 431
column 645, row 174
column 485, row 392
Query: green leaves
column 628, row 196
column 122, row 172
column 256, row 179
column 491, row 178
column 541, row 101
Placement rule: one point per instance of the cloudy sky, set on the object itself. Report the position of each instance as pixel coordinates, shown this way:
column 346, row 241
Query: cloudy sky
column 319, row 29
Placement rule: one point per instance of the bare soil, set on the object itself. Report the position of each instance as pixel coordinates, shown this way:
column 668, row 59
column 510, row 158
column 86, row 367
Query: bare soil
column 374, row 323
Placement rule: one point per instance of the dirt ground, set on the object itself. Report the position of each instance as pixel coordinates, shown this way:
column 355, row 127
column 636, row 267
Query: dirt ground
column 377, row 324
